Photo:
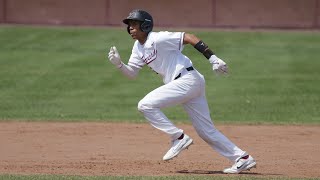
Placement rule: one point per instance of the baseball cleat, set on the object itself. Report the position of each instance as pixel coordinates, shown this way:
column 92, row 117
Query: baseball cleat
column 177, row 146
column 241, row 165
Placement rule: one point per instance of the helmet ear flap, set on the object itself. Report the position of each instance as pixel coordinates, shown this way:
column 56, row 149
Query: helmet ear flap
column 146, row 27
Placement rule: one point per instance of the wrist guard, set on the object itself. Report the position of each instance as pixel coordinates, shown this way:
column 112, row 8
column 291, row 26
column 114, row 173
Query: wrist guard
column 204, row 49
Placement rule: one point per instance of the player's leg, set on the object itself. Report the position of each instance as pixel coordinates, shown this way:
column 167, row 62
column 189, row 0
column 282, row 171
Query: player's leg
column 199, row 114
column 173, row 93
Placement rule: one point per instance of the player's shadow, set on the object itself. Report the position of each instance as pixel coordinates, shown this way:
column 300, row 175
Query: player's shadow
column 198, row 172
column 220, row 172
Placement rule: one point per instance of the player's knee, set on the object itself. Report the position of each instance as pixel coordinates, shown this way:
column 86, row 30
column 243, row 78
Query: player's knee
column 143, row 106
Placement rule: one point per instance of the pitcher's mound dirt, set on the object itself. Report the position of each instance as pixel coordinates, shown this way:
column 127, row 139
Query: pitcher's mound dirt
column 137, row 149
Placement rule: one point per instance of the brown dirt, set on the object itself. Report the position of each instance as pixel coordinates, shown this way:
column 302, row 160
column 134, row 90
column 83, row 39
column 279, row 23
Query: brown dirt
column 137, row 149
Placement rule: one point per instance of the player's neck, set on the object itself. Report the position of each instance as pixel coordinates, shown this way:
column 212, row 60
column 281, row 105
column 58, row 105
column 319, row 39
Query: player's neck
column 143, row 39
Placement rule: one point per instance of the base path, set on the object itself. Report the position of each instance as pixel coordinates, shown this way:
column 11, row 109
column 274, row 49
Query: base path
column 137, row 149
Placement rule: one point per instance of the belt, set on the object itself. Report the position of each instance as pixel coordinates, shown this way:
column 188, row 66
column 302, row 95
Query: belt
column 188, row 69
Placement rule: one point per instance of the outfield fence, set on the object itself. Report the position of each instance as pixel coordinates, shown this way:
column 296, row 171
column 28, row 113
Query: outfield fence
column 300, row 14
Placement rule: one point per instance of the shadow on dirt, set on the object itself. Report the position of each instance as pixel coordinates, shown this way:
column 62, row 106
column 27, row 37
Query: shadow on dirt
column 220, row 172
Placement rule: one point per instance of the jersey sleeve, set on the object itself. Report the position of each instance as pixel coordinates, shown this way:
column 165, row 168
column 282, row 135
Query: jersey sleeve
column 134, row 59
column 170, row 40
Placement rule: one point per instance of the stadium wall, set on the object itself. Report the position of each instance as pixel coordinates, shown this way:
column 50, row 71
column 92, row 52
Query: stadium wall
column 302, row 14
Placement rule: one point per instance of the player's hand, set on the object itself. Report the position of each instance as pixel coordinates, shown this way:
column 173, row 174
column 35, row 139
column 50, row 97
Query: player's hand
column 114, row 57
column 218, row 65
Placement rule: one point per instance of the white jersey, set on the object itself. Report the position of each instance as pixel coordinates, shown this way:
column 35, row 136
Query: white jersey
column 162, row 53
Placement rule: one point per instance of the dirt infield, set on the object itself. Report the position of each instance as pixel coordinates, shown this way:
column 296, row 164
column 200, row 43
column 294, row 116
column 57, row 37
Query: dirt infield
column 137, row 149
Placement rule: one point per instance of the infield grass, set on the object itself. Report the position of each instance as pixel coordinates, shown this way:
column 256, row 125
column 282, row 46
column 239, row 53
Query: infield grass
column 62, row 74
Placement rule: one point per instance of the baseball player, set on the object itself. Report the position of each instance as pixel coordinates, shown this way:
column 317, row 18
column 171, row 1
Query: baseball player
column 183, row 84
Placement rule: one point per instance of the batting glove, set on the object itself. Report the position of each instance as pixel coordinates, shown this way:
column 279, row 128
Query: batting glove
column 218, row 65
column 114, row 57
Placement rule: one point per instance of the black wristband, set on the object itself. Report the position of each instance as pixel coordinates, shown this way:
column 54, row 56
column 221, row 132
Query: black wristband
column 201, row 46
column 204, row 49
column 208, row 53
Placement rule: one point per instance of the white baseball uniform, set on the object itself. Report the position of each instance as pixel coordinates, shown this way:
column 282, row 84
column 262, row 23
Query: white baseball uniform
column 162, row 53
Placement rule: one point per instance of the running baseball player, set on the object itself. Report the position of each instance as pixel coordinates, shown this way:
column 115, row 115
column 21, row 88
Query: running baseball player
column 183, row 84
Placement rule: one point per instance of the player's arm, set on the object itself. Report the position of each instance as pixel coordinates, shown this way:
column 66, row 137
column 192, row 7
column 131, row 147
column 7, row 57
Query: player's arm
column 129, row 71
column 190, row 39
column 218, row 65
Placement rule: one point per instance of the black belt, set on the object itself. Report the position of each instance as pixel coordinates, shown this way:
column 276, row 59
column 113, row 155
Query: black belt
column 188, row 69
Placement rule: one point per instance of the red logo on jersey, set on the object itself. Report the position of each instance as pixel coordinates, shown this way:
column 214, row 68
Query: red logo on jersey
column 149, row 57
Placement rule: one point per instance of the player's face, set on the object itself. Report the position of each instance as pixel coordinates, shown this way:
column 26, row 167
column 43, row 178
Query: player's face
column 135, row 31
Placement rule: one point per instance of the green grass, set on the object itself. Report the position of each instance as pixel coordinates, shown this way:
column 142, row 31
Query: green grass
column 61, row 177
column 62, row 74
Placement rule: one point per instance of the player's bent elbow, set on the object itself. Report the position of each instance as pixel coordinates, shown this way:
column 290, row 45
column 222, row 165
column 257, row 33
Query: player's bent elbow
column 190, row 39
column 129, row 72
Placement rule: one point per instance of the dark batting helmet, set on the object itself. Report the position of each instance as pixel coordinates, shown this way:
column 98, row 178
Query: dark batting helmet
column 144, row 17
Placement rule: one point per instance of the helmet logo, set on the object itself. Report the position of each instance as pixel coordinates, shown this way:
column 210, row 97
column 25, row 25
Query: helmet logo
column 132, row 14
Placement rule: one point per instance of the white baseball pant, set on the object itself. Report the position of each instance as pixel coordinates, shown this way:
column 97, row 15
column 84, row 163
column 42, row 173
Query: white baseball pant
column 188, row 90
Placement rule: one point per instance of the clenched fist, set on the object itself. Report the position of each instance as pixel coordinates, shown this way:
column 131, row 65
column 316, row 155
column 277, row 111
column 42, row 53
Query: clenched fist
column 218, row 65
column 114, row 57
